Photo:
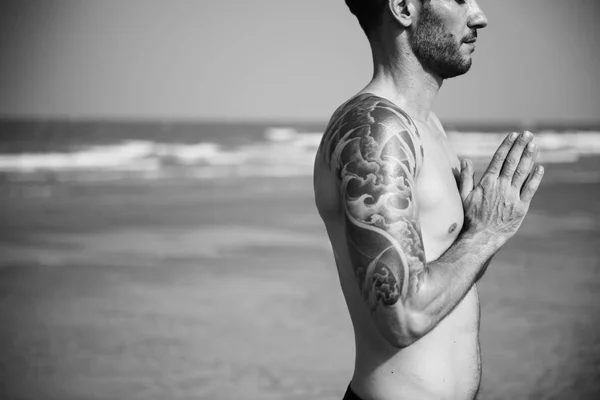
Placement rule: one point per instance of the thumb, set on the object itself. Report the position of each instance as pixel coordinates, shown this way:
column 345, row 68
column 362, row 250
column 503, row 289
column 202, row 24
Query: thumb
column 465, row 184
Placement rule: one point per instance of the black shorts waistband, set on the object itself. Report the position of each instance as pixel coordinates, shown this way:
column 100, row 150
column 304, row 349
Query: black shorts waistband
column 350, row 395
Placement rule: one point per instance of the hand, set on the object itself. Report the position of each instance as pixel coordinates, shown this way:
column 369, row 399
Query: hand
column 499, row 203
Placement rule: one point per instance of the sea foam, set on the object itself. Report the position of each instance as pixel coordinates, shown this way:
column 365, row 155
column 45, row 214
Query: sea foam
column 281, row 152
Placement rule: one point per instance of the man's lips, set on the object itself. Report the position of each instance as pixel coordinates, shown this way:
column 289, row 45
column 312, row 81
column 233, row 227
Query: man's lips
column 472, row 38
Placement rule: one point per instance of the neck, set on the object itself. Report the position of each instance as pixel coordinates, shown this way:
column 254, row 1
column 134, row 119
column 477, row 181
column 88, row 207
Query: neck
column 399, row 77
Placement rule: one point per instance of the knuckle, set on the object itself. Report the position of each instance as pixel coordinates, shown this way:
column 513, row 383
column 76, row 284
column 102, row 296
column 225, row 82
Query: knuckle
column 525, row 170
column 486, row 180
column 492, row 170
column 519, row 173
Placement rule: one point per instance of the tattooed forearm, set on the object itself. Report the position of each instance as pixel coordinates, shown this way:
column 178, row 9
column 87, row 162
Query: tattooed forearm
column 376, row 152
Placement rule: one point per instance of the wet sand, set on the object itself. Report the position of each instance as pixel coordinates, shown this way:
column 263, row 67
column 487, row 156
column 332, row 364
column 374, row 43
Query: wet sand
column 228, row 290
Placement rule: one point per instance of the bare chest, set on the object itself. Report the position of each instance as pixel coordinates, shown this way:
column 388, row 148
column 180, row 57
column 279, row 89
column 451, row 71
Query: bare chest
column 439, row 203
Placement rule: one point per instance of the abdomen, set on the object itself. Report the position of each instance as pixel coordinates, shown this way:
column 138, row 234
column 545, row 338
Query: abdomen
column 444, row 364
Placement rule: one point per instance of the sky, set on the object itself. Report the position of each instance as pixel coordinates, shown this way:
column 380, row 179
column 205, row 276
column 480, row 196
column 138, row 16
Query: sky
column 538, row 60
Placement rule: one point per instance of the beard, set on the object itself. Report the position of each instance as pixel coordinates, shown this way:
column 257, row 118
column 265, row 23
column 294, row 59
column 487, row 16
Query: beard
column 437, row 51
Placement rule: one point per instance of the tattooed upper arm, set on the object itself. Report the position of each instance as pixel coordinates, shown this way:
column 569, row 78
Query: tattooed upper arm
column 376, row 151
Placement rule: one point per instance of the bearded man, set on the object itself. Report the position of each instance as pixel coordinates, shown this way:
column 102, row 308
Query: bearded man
column 410, row 231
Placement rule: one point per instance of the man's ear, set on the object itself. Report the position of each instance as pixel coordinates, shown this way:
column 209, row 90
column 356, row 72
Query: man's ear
column 403, row 11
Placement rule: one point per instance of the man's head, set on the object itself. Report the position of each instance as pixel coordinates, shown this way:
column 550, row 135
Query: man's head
column 440, row 33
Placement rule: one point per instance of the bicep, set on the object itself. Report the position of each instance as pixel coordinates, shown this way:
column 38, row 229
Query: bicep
column 377, row 170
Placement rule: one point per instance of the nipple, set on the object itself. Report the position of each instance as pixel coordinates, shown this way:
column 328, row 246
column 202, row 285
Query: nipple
column 452, row 227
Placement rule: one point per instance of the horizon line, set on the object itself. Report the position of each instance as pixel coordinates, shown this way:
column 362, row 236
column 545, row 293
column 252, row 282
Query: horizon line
column 290, row 122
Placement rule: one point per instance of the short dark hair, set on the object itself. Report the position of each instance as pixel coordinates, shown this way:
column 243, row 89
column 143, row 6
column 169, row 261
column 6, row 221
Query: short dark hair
column 368, row 13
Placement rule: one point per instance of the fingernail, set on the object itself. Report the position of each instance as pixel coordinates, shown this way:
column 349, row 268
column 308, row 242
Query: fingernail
column 540, row 169
column 513, row 135
column 530, row 146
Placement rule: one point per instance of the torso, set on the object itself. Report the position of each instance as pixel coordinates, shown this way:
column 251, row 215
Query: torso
column 445, row 363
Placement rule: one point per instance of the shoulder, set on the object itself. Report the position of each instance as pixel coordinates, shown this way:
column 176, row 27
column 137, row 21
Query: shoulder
column 375, row 128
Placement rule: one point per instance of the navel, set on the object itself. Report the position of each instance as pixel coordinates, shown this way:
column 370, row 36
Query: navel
column 452, row 227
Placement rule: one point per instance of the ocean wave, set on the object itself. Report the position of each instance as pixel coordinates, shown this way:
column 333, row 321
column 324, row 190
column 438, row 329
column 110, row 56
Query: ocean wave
column 553, row 147
column 281, row 152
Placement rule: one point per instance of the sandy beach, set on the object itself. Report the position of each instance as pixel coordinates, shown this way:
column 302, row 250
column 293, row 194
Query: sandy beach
column 226, row 290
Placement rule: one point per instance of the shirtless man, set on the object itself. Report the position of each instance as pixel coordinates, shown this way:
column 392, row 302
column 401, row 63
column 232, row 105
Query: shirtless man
column 410, row 232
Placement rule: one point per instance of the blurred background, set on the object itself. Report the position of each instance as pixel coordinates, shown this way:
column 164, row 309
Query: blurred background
column 158, row 236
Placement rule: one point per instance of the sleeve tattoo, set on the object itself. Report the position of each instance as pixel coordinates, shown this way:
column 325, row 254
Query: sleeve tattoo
column 376, row 152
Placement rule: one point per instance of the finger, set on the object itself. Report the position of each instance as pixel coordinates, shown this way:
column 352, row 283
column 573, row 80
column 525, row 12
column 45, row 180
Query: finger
column 532, row 184
column 515, row 154
column 496, row 164
column 465, row 185
column 525, row 165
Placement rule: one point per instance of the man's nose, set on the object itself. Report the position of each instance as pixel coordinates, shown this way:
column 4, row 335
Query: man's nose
column 477, row 20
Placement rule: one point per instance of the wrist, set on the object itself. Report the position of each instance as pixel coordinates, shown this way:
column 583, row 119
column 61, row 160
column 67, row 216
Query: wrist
column 485, row 241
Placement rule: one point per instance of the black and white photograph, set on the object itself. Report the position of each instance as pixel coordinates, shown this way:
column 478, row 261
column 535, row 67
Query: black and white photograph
column 278, row 200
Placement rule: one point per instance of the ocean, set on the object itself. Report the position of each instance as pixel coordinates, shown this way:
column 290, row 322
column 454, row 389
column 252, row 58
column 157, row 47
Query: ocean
column 184, row 260
column 91, row 151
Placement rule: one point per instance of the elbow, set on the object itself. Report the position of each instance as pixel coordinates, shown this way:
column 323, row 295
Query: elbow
column 407, row 330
